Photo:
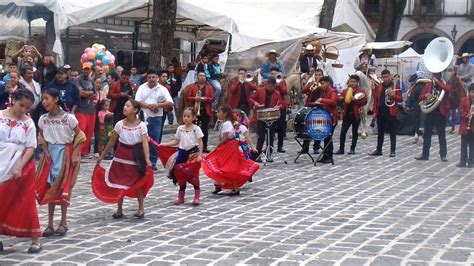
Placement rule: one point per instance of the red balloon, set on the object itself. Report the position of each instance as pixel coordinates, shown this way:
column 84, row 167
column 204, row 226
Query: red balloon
column 98, row 62
column 111, row 65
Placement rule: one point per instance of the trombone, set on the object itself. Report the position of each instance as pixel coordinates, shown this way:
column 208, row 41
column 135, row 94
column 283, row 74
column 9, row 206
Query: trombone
column 197, row 104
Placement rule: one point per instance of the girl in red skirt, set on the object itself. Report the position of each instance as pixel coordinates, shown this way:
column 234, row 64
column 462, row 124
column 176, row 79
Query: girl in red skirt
column 130, row 171
column 226, row 164
column 188, row 137
column 61, row 140
column 18, row 213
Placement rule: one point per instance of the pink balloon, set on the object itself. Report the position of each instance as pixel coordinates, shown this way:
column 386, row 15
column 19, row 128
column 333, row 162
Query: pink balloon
column 84, row 57
column 112, row 58
column 98, row 62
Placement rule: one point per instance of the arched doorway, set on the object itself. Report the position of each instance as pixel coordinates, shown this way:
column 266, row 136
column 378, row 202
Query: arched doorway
column 420, row 41
column 467, row 46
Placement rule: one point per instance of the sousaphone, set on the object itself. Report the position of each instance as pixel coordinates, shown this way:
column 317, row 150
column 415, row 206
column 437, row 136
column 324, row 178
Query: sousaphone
column 438, row 56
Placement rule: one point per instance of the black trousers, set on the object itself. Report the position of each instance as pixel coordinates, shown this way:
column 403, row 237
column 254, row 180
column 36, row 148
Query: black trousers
column 387, row 124
column 281, row 128
column 349, row 121
column 262, row 132
column 434, row 120
column 467, row 143
column 316, row 145
column 328, row 147
column 203, row 122
column 416, row 122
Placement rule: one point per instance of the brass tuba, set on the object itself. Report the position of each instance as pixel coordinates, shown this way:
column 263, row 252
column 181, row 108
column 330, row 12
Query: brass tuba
column 438, row 56
column 197, row 104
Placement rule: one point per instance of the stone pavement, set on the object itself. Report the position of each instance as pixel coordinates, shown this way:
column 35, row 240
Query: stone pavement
column 361, row 211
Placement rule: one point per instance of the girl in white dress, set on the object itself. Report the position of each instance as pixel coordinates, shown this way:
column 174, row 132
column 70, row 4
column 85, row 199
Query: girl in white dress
column 130, row 172
column 188, row 137
column 18, row 213
column 61, row 140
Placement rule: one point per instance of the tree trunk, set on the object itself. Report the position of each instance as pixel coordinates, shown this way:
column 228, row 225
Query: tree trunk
column 327, row 14
column 162, row 32
column 391, row 13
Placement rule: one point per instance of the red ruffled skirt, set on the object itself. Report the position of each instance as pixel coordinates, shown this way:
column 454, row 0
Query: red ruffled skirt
column 228, row 166
column 184, row 172
column 18, row 212
column 122, row 178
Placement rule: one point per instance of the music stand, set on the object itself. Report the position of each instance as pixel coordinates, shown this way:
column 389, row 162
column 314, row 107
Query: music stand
column 267, row 152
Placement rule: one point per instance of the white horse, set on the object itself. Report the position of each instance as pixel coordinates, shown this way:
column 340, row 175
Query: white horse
column 367, row 85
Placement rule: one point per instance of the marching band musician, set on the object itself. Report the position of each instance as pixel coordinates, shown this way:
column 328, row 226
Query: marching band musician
column 240, row 91
column 201, row 95
column 266, row 97
column 436, row 118
column 313, row 94
column 466, row 129
column 309, row 60
column 351, row 114
column 386, row 93
column 281, row 123
column 365, row 62
column 328, row 101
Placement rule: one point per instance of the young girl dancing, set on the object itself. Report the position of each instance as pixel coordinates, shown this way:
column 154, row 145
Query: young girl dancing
column 61, row 140
column 188, row 137
column 18, row 213
column 130, row 172
column 226, row 164
column 241, row 122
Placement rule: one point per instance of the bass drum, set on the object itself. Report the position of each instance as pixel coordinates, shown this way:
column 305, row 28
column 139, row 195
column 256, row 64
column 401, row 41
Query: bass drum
column 313, row 123
column 299, row 123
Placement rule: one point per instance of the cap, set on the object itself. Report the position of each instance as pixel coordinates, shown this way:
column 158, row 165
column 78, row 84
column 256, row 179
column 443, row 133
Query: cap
column 309, row 47
column 86, row 65
column 61, row 70
column 67, row 67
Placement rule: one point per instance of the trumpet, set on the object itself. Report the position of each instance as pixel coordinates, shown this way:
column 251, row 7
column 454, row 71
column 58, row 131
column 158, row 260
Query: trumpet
column 197, row 104
column 249, row 76
column 279, row 78
column 316, row 84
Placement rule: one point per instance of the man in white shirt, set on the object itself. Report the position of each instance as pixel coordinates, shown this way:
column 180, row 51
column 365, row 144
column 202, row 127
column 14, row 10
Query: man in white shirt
column 153, row 97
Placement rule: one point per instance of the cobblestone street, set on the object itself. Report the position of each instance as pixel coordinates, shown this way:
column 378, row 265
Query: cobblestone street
column 362, row 211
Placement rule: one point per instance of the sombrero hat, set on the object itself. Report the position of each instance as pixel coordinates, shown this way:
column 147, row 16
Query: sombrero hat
column 272, row 51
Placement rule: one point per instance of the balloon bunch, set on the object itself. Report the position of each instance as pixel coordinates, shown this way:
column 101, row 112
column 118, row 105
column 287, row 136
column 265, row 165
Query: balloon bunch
column 97, row 55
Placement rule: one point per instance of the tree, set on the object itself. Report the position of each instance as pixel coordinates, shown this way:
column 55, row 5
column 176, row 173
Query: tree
column 162, row 32
column 390, row 16
column 327, row 14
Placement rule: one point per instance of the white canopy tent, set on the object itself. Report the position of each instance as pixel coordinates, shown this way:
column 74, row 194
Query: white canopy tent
column 250, row 23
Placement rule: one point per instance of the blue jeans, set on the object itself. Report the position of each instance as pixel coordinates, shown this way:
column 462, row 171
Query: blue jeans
column 216, row 84
column 155, row 129
column 176, row 109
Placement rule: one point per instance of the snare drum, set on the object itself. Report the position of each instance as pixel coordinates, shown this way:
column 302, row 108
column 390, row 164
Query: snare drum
column 313, row 123
column 268, row 114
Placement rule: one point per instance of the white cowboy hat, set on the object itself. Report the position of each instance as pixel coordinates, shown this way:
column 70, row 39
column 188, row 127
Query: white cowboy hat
column 309, row 47
column 272, row 51
column 365, row 47
column 465, row 55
